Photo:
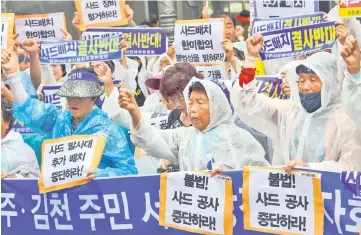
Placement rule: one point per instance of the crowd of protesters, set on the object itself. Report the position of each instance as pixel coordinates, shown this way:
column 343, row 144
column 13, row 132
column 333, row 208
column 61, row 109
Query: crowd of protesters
column 213, row 125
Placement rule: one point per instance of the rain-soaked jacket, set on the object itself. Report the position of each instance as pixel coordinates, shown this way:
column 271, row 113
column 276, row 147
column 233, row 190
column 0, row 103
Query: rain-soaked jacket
column 33, row 140
column 351, row 96
column 51, row 123
column 220, row 145
column 326, row 138
column 17, row 157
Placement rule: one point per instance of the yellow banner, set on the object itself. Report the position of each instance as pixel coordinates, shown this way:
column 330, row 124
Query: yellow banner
column 274, row 202
column 101, row 13
column 350, row 10
column 66, row 157
column 7, row 29
column 182, row 182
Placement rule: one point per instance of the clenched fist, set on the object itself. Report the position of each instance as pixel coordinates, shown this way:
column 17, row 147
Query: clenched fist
column 10, row 59
column 76, row 21
column 254, row 45
column 350, row 52
column 30, row 46
column 126, row 99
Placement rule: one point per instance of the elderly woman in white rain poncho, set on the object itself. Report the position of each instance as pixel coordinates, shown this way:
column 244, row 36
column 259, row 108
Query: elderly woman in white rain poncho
column 310, row 130
column 212, row 142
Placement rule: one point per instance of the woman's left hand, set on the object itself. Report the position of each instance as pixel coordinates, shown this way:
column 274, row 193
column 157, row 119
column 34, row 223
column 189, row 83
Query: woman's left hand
column 216, row 171
column 5, row 175
column 90, row 175
column 294, row 163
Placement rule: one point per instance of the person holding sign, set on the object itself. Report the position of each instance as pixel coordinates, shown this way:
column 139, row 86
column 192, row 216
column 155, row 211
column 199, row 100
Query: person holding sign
column 351, row 84
column 17, row 158
column 81, row 91
column 315, row 132
column 212, row 142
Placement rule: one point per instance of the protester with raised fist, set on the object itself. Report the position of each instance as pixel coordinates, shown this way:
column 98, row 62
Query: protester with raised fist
column 312, row 130
column 81, row 91
column 212, row 142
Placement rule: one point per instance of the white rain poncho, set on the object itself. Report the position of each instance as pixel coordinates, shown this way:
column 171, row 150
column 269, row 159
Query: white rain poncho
column 122, row 116
column 17, row 157
column 128, row 75
column 351, row 96
column 326, row 138
column 157, row 67
column 353, row 25
column 354, row 28
column 220, row 145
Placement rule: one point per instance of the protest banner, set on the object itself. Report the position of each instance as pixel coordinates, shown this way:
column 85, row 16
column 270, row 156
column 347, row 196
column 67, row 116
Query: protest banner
column 199, row 42
column 283, row 204
column 142, row 41
column 196, row 202
column 296, row 41
column 80, row 51
column 279, row 8
column 20, row 127
column 211, row 72
column 269, row 86
column 40, row 27
column 349, row 8
column 50, row 97
column 260, row 25
column 352, row 181
column 159, row 120
column 66, row 161
column 100, row 13
column 111, row 206
column 139, row 152
column 7, row 29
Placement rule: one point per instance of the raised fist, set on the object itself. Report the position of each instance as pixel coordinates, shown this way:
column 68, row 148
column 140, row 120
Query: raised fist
column 126, row 99
column 254, row 44
column 350, row 52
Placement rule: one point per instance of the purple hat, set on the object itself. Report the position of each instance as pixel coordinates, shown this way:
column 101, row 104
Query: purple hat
column 81, row 84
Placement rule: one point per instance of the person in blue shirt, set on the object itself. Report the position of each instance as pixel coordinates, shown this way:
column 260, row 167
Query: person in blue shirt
column 82, row 118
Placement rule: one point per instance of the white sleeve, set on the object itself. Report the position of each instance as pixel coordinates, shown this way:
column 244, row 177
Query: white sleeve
column 351, row 96
column 258, row 111
column 117, row 114
column 157, row 143
column 17, row 89
column 350, row 156
column 48, row 78
column 127, row 75
column 114, row 111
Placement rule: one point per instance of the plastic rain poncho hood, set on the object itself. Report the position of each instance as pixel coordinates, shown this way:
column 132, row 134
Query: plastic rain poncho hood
column 220, row 145
column 325, row 139
column 48, row 121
